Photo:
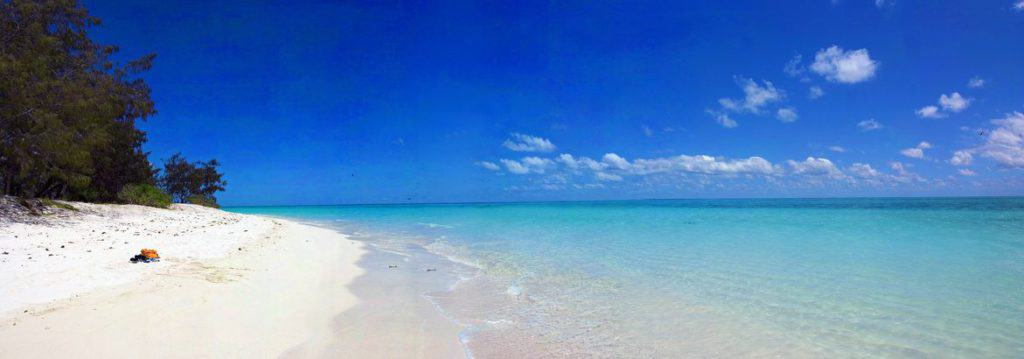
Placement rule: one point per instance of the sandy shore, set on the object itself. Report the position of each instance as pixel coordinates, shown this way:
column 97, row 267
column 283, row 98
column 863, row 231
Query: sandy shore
column 229, row 285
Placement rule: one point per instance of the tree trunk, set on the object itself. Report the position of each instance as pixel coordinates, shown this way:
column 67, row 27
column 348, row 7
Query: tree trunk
column 45, row 191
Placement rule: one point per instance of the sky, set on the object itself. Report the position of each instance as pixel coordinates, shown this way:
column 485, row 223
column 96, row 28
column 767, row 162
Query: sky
column 330, row 102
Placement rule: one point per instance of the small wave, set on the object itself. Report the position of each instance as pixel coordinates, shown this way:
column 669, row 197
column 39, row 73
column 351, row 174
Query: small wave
column 499, row 323
column 383, row 248
column 457, row 254
column 435, row 225
column 465, row 335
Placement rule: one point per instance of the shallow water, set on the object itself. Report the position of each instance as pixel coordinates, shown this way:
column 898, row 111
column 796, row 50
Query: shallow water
column 749, row 278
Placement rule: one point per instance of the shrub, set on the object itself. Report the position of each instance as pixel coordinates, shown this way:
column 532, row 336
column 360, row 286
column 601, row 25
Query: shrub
column 51, row 203
column 144, row 195
column 204, row 201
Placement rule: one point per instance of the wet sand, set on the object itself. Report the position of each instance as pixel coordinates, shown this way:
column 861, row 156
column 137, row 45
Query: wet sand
column 393, row 318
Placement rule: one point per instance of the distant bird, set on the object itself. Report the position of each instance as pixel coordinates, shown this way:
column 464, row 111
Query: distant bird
column 981, row 133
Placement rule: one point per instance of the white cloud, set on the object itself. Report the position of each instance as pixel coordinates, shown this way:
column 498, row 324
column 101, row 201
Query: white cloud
column 870, row 175
column 560, row 172
column 879, row 3
column 977, row 82
column 601, row 176
column 1005, row 144
column 929, row 112
column 869, row 125
column 723, row 119
column 726, row 122
column 1019, row 6
column 515, row 167
column 954, row 102
column 489, row 165
column 647, row 131
column 580, row 163
column 786, row 114
column 912, row 152
column 916, row 152
column 793, row 68
column 755, row 97
column 528, row 165
column 862, row 170
column 615, row 161
column 815, row 92
column 703, row 164
column 961, row 158
column 537, row 164
column 567, row 160
column 613, row 167
column 526, row 143
column 842, row 66
column 966, row 172
column 813, row 166
column 902, row 174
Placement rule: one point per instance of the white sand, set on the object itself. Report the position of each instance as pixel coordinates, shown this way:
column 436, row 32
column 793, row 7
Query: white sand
column 207, row 298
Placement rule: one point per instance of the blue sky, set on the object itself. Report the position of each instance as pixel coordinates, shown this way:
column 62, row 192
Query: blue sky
column 367, row 102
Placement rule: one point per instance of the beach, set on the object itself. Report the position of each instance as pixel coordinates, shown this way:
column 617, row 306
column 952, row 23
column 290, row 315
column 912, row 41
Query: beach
column 931, row 277
column 227, row 285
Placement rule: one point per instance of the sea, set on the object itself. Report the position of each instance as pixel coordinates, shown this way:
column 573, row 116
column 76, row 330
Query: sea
column 752, row 278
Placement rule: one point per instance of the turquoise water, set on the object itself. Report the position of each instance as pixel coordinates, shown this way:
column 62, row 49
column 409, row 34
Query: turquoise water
column 922, row 277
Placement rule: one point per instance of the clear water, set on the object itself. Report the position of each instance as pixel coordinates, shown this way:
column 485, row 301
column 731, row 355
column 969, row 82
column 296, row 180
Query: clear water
column 922, row 277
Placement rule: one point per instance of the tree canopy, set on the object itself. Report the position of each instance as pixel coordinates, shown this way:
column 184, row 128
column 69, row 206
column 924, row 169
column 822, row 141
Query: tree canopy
column 68, row 113
column 191, row 181
column 67, row 110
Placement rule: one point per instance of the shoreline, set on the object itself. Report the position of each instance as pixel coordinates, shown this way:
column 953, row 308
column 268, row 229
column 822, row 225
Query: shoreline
column 400, row 301
column 395, row 317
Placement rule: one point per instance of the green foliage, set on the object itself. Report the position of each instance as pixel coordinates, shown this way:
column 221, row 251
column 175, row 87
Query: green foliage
column 184, row 180
column 51, row 203
column 145, row 195
column 67, row 111
column 203, row 201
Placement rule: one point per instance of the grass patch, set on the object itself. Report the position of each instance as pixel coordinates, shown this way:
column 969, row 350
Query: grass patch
column 204, row 201
column 144, row 195
column 51, row 203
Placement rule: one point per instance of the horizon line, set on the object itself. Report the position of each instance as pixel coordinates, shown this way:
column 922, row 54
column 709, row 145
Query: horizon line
column 608, row 200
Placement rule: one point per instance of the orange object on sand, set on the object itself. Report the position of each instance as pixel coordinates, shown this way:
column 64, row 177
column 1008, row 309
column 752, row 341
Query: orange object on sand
column 150, row 253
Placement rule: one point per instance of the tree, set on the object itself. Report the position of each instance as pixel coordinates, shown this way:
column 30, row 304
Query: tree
column 185, row 180
column 67, row 111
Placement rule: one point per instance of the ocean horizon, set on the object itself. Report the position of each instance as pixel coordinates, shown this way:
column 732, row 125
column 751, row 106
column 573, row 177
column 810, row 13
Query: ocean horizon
column 808, row 277
column 653, row 199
